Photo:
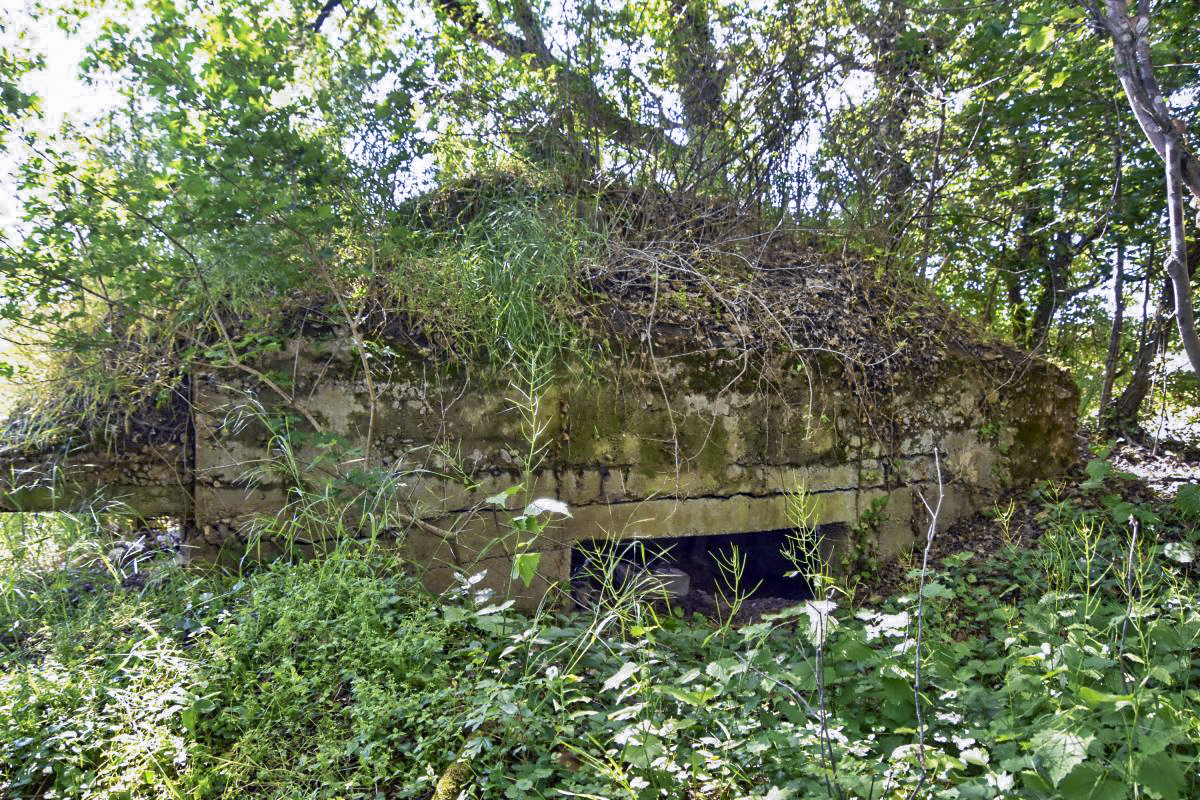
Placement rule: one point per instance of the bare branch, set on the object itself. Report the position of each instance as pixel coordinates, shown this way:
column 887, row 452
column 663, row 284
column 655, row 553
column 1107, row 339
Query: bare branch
column 1135, row 70
column 326, row 10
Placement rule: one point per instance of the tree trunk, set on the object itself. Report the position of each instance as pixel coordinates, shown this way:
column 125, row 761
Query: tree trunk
column 1135, row 69
column 1114, row 336
column 1017, row 310
column 1055, row 266
column 1156, row 336
column 1177, row 259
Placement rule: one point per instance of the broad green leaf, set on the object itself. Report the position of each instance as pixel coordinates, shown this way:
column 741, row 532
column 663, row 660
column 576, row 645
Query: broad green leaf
column 494, row 609
column 619, row 677
column 1041, row 38
column 547, row 505
column 1122, row 511
column 643, row 751
column 525, row 566
column 1161, row 776
column 1094, row 698
column 1058, row 751
column 936, row 589
column 1182, row 552
column 1089, row 781
column 693, row 697
column 1097, row 471
column 1187, row 500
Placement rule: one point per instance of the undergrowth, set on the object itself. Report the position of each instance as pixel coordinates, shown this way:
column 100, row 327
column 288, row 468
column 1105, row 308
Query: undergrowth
column 1068, row 670
column 490, row 281
column 497, row 273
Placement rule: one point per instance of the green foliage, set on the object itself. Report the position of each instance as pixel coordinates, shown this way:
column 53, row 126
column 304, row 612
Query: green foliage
column 343, row 677
column 503, row 279
column 1187, row 500
column 94, row 675
column 15, row 62
column 262, row 165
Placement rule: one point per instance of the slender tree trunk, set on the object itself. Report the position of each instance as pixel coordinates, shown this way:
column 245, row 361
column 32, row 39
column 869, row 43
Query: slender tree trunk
column 1055, row 266
column 1018, row 311
column 989, row 303
column 1114, row 336
column 1156, row 336
column 1135, row 69
column 1127, row 407
column 1177, row 259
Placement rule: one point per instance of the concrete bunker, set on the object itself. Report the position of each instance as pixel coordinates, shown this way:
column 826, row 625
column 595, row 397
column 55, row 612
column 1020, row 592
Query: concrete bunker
column 699, row 398
column 649, row 451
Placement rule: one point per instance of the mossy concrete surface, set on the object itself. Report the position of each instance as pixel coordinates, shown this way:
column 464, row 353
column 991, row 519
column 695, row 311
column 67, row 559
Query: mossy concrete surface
column 657, row 443
column 671, row 445
column 152, row 482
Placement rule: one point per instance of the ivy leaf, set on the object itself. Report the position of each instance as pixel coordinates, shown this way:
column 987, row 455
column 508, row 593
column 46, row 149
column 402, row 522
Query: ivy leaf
column 1059, row 752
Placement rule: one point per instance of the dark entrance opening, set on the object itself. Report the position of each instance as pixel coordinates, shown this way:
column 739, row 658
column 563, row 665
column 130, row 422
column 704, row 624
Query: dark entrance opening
column 753, row 565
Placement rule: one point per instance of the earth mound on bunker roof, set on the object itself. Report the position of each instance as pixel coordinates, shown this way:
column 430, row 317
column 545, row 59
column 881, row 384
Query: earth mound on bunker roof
column 657, row 273
column 695, row 273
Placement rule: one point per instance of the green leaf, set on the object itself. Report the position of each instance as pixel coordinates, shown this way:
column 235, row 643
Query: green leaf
column 1187, row 500
column 547, row 505
column 1182, row 552
column 1058, row 751
column 500, row 499
column 1097, row 471
column 619, row 677
column 1070, row 14
column 1161, row 776
column 1122, row 511
column 525, row 567
column 643, row 751
column 1159, row 673
column 1089, row 781
column 936, row 589
column 1041, row 38
column 1094, row 698
column 693, row 697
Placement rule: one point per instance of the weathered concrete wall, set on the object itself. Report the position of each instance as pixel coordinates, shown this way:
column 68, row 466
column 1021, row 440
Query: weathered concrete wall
column 150, row 482
column 672, row 445
column 666, row 445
